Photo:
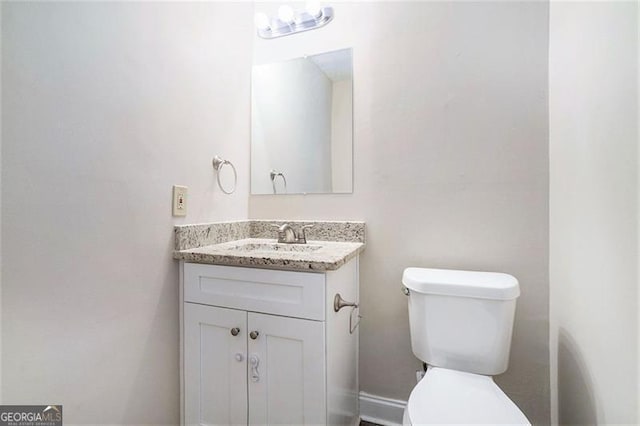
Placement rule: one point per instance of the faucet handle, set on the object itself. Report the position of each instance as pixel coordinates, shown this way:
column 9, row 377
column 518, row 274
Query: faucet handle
column 302, row 237
column 280, row 231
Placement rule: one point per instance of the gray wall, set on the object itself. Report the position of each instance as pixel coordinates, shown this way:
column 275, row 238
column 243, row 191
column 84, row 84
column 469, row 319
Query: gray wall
column 450, row 121
column 593, row 110
column 104, row 107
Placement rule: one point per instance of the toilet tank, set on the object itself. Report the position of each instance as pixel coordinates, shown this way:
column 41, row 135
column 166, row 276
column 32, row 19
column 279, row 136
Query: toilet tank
column 461, row 320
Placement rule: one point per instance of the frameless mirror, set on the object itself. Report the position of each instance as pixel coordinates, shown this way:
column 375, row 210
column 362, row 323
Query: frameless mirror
column 301, row 125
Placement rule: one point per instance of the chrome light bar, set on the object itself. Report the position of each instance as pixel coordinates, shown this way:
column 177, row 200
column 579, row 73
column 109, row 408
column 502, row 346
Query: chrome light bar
column 289, row 22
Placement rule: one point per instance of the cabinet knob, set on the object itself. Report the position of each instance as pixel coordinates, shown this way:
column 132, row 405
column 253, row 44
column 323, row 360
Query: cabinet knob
column 239, row 357
column 254, row 335
column 235, row 331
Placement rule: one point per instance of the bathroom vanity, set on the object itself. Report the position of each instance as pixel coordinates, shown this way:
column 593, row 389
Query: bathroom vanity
column 261, row 339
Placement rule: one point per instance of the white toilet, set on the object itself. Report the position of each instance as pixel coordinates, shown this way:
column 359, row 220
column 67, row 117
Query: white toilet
column 461, row 324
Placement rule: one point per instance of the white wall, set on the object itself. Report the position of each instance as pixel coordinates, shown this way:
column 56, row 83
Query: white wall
column 104, row 107
column 291, row 127
column 342, row 136
column 450, row 150
column 593, row 120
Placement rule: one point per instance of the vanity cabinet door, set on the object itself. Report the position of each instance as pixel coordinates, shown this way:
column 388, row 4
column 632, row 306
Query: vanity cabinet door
column 215, row 374
column 286, row 370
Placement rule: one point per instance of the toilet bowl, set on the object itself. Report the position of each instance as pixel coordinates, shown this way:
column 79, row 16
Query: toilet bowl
column 455, row 397
column 461, row 324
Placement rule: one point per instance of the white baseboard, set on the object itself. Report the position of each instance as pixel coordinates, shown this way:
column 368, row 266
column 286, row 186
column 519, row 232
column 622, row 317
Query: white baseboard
column 381, row 410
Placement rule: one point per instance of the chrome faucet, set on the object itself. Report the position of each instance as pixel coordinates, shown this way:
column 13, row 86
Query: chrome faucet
column 287, row 235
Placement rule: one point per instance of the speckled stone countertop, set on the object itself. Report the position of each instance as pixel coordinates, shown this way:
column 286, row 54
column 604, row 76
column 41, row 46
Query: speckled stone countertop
column 334, row 244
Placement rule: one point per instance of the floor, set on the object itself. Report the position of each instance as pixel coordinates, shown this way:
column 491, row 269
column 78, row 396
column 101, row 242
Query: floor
column 363, row 423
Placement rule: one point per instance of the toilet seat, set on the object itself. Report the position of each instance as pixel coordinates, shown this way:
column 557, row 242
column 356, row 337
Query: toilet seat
column 454, row 397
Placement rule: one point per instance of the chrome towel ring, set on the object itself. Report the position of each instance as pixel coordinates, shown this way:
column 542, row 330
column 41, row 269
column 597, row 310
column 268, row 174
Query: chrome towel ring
column 339, row 303
column 218, row 163
column 273, row 174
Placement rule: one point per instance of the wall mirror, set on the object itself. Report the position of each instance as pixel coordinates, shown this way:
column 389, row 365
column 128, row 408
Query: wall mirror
column 302, row 125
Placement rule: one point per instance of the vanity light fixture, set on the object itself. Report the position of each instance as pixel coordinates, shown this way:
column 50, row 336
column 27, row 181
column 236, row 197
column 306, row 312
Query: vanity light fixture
column 290, row 21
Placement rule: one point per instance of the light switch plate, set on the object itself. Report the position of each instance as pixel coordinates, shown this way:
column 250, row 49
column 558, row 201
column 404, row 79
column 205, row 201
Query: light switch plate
column 179, row 200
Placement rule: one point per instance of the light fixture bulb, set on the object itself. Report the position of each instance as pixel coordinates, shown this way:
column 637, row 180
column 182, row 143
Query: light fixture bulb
column 278, row 26
column 285, row 13
column 262, row 21
column 314, row 9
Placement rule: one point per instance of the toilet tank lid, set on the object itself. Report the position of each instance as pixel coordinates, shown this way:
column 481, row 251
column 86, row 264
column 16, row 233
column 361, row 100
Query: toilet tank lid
column 446, row 282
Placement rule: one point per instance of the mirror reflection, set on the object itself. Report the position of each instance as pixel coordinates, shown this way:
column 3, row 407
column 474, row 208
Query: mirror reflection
column 301, row 125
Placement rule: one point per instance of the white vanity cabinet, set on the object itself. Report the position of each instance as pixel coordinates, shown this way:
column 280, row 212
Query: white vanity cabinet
column 214, row 365
column 266, row 346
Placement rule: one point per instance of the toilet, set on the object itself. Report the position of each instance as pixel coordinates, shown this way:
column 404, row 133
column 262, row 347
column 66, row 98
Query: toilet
column 461, row 324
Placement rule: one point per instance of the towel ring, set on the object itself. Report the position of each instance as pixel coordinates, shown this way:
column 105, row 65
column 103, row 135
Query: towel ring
column 339, row 303
column 273, row 174
column 218, row 163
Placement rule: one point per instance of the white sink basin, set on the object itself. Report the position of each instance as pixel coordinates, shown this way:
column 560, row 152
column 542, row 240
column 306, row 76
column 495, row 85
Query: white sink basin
column 275, row 247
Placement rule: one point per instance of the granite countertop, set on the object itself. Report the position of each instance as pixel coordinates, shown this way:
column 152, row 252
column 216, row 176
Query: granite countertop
column 330, row 256
column 330, row 244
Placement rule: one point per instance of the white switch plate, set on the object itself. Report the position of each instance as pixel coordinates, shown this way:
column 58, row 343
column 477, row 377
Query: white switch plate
column 179, row 200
